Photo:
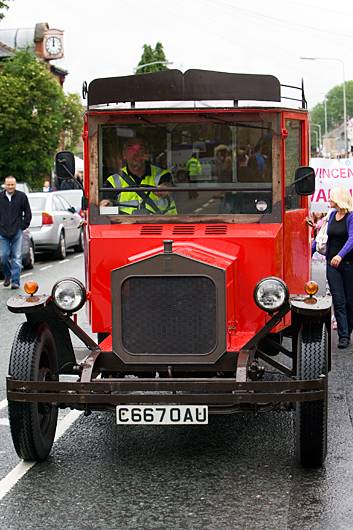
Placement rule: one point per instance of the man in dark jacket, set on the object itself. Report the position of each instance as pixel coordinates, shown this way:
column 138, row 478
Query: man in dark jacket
column 15, row 216
column 67, row 184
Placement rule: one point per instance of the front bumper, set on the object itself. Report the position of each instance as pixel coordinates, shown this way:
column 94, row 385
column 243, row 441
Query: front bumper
column 218, row 394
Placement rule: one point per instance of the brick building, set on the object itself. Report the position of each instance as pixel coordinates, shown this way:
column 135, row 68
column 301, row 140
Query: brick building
column 46, row 43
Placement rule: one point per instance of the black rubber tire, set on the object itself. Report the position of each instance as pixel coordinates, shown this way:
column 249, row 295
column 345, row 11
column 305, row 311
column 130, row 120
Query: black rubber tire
column 30, row 258
column 311, row 416
column 33, row 358
column 80, row 246
column 60, row 252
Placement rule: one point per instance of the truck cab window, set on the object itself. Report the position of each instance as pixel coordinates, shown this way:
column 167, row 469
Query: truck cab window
column 293, row 160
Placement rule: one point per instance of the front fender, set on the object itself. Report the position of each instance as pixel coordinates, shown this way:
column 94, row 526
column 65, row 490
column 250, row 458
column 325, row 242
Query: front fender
column 40, row 308
column 27, row 304
column 311, row 305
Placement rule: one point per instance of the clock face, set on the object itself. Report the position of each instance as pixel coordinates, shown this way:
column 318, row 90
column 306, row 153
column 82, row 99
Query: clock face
column 53, row 45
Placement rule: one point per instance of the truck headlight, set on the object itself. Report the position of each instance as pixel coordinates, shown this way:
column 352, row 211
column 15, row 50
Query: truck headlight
column 271, row 293
column 69, row 294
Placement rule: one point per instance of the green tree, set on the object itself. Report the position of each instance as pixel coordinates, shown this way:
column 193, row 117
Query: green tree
column 160, row 55
column 154, row 58
column 334, row 106
column 3, row 5
column 33, row 113
column 72, row 121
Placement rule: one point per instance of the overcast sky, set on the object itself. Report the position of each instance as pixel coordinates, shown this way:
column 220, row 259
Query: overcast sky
column 105, row 38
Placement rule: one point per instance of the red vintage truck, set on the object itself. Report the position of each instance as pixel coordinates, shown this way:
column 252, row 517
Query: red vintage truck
column 197, row 257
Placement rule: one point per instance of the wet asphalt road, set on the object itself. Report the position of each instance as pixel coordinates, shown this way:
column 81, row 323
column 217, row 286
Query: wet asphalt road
column 239, row 472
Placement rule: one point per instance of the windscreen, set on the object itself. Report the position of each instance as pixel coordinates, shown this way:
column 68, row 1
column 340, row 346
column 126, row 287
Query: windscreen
column 210, row 166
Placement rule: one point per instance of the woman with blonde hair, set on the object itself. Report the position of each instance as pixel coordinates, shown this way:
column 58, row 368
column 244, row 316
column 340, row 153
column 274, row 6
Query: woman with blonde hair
column 339, row 259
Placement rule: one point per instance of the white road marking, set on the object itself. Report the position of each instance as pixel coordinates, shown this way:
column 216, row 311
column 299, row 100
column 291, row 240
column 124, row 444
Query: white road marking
column 8, row 482
column 46, row 267
column 27, row 274
column 78, row 256
column 4, row 421
column 3, row 404
column 14, row 476
column 69, row 419
column 64, row 260
column 198, row 210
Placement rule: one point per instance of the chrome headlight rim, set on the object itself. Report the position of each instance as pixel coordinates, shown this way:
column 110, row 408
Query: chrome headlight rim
column 285, row 290
column 78, row 284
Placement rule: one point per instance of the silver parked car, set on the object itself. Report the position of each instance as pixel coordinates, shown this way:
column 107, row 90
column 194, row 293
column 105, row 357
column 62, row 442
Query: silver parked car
column 74, row 197
column 55, row 224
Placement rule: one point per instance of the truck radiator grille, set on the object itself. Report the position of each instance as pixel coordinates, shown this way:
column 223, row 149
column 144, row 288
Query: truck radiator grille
column 169, row 315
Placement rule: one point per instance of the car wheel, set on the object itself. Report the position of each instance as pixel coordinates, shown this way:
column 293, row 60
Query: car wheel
column 311, row 416
column 79, row 247
column 30, row 259
column 60, row 252
column 33, row 358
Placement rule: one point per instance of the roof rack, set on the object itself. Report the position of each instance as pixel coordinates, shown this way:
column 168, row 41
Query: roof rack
column 302, row 99
column 193, row 85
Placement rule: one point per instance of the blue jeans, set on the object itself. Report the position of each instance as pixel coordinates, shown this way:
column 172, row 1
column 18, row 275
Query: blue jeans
column 341, row 286
column 11, row 256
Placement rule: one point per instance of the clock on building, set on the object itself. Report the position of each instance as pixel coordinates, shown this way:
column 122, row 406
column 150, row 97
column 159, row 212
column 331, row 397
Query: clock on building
column 53, row 45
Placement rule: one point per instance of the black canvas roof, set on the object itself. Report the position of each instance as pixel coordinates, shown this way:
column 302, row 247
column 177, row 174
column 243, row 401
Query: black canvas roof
column 193, row 85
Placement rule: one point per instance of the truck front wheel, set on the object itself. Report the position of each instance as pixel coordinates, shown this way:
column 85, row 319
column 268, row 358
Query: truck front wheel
column 311, row 416
column 33, row 358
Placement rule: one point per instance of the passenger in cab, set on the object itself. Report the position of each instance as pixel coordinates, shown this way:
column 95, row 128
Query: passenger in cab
column 222, row 164
column 137, row 171
column 194, row 167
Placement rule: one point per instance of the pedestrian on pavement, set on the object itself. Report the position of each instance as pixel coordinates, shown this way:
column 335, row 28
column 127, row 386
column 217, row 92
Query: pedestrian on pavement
column 339, row 259
column 15, row 216
column 46, row 185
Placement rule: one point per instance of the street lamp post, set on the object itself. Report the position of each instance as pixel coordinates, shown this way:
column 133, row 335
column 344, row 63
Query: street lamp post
column 344, row 93
column 325, row 107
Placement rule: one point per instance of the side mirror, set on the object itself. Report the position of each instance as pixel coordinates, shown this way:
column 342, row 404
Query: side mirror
column 65, row 165
column 72, row 209
column 304, row 180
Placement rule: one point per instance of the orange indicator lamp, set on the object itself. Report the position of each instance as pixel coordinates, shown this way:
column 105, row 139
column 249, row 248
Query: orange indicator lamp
column 31, row 287
column 311, row 288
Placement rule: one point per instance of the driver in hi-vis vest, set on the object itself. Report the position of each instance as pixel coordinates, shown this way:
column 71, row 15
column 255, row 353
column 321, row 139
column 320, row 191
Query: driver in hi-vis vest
column 138, row 171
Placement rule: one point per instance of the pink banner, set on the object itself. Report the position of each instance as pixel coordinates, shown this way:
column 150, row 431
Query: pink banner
column 330, row 173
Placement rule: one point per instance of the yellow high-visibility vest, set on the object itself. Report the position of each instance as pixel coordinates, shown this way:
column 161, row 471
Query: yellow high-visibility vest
column 131, row 202
column 194, row 167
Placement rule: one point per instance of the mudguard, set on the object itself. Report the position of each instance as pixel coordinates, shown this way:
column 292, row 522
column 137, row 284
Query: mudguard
column 311, row 305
